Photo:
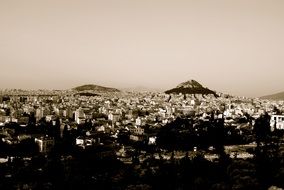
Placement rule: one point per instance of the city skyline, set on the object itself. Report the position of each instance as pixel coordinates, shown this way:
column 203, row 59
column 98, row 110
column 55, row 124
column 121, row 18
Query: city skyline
column 232, row 47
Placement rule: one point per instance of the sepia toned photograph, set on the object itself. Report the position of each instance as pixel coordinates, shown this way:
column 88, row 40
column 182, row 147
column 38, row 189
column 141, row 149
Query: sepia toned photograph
column 141, row 95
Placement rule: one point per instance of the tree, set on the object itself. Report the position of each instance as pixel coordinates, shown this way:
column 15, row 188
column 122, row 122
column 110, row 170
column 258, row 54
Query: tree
column 267, row 151
column 262, row 129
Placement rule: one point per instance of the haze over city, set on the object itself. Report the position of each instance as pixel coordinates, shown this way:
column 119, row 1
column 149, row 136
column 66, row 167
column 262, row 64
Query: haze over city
column 233, row 47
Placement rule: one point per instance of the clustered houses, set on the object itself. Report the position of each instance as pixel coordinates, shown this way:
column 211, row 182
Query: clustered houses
column 127, row 112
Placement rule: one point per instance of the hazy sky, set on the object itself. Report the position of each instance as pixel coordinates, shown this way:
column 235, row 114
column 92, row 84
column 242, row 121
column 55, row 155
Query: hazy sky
column 232, row 46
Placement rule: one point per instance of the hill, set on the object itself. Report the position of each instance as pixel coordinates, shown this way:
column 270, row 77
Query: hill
column 277, row 96
column 191, row 87
column 96, row 88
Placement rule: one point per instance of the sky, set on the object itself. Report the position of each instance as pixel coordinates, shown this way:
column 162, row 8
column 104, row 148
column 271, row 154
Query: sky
column 234, row 46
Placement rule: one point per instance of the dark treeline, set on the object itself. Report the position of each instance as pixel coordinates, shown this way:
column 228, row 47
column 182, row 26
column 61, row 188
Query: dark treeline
column 97, row 167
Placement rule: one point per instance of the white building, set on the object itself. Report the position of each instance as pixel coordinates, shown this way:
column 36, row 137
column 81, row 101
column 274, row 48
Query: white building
column 114, row 117
column 80, row 116
column 152, row 140
column 45, row 144
column 277, row 122
column 39, row 114
column 80, row 141
column 138, row 121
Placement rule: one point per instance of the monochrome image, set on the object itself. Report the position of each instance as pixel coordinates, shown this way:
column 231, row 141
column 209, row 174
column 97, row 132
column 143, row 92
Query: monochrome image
column 141, row 95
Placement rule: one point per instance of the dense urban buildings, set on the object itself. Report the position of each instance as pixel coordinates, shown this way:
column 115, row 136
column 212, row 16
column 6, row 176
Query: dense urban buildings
column 83, row 138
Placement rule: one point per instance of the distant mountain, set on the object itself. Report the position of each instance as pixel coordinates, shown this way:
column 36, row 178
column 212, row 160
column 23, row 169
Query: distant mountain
column 95, row 88
column 191, row 87
column 277, row 96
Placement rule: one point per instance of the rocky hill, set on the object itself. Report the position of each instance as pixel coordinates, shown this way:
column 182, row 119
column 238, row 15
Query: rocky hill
column 191, row 87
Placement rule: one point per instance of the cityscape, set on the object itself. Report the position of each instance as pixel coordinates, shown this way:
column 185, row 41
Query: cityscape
column 96, row 137
column 141, row 95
